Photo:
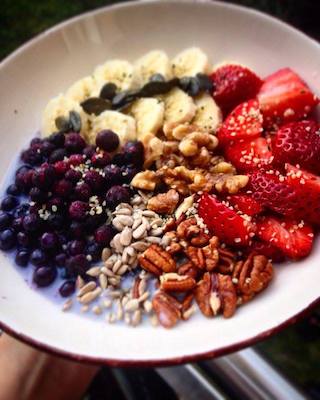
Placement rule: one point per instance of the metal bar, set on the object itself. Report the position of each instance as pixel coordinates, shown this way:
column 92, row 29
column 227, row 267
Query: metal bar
column 252, row 377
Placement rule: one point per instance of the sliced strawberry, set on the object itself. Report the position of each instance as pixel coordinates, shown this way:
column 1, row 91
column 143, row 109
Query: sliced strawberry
column 298, row 143
column 307, row 187
column 249, row 155
column 224, row 221
column 268, row 250
column 234, row 84
column 285, row 97
column 270, row 189
column 292, row 238
column 246, row 204
column 244, row 122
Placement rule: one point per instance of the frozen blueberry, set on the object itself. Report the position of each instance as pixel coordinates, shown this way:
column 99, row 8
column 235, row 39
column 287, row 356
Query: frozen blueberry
column 67, row 288
column 38, row 257
column 113, row 174
column 73, row 176
column 5, row 220
column 49, row 241
column 128, row 172
column 17, row 224
column 74, row 143
column 44, row 177
column 100, row 160
column 7, row 239
column 38, row 195
column 119, row 159
column 107, row 140
column 95, row 181
column 35, row 142
column 92, row 222
column 57, row 139
column 134, row 153
column 76, row 247
column 94, row 250
column 22, row 257
column 78, row 210
column 75, row 159
column 82, row 192
column 60, row 260
column 32, row 156
column 21, row 210
column 57, row 155
column 44, row 276
column 61, row 167
column 24, row 176
column 13, row 190
column 89, row 151
column 63, row 188
column 24, row 240
column 9, row 202
column 47, row 148
column 77, row 265
column 56, row 221
column 31, row 223
column 77, row 230
column 116, row 195
column 104, row 234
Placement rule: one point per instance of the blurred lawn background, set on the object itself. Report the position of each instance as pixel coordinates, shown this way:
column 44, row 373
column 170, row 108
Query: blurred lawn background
column 20, row 20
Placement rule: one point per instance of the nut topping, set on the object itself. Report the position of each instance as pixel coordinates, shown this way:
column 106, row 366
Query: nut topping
column 173, row 282
column 164, row 203
column 156, row 260
column 167, row 309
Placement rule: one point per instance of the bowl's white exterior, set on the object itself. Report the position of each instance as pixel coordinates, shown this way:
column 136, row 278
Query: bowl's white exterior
column 48, row 65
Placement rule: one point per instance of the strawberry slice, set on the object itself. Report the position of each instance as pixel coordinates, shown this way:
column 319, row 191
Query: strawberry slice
column 307, row 187
column 249, row 155
column 285, row 97
column 246, row 204
column 234, row 84
column 270, row 189
column 298, row 143
column 244, row 122
column 222, row 220
column 268, row 250
column 293, row 239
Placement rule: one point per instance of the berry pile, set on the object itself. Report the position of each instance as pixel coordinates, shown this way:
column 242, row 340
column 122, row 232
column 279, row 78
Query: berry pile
column 55, row 213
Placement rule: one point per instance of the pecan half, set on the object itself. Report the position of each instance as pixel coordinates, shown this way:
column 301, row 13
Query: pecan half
column 156, row 260
column 226, row 261
column 167, row 308
column 173, row 282
column 252, row 275
column 196, row 256
column 188, row 269
column 206, row 257
column 164, row 203
column 216, row 293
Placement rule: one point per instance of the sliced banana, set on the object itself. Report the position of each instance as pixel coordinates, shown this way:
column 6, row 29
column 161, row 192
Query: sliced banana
column 119, row 72
column 60, row 106
column 208, row 115
column 190, row 62
column 149, row 114
column 82, row 89
column 154, row 62
column 178, row 107
column 123, row 125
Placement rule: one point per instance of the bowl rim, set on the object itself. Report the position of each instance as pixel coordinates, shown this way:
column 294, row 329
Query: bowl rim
column 113, row 362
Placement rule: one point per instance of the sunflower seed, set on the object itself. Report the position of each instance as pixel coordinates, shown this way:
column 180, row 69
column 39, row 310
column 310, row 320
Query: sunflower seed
column 117, row 224
column 115, row 294
column 87, row 288
column 153, row 239
column 132, row 305
column 143, row 297
column 156, row 232
column 126, row 236
column 125, row 220
column 136, row 318
column 103, row 281
column 123, row 269
column 127, row 318
column 108, row 272
column 140, row 231
column 147, row 306
column 111, row 318
column 142, row 286
column 89, row 297
column 116, row 266
column 154, row 320
column 119, row 314
column 116, row 244
column 94, row 271
column 67, row 305
column 137, row 222
column 79, row 282
column 97, row 310
column 114, row 281
column 85, row 308
column 140, row 246
column 107, row 303
column 106, row 253
column 156, row 222
column 123, row 211
column 124, row 300
column 149, row 214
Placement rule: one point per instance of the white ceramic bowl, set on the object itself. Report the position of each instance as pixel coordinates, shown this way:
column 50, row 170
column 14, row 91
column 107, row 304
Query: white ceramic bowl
column 48, row 65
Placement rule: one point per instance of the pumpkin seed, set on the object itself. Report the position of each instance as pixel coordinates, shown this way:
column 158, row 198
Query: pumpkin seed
column 190, row 85
column 95, row 105
column 75, row 121
column 63, row 124
column 108, row 91
column 123, row 99
column 154, row 88
column 157, row 78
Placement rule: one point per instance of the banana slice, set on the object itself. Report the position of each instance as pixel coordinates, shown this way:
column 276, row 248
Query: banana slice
column 178, row 107
column 208, row 115
column 81, row 89
column 190, row 62
column 149, row 114
column 119, row 72
column 154, row 62
column 123, row 125
column 60, row 106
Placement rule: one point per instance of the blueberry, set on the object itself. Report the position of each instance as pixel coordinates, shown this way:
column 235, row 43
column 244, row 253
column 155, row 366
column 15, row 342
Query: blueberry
column 76, row 159
column 49, row 241
column 31, row 223
column 44, row 177
column 63, row 188
column 56, row 221
column 47, row 148
column 128, row 172
column 113, row 174
column 77, row 230
column 17, row 224
column 35, row 142
column 92, row 222
column 76, row 247
column 134, row 153
column 74, row 143
column 37, row 195
column 77, row 265
column 61, row 167
column 89, row 151
column 44, row 276
column 60, row 260
column 95, row 181
column 22, row 258
column 57, row 155
column 100, row 160
column 73, row 176
column 107, row 140
column 38, row 257
column 94, row 250
column 24, row 240
column 64, row 273
column 82, row 192
column 119, row 159
column 157, row 78
column 13, row 190
column 104, row 234
column 9, row 202
column 78, row 210
column 7, row 239
column 5, row 220
column 116, row 195
column 32, row 156
column 67, row 288
column 21, row 210
column 57, row 139
column 23, row 179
